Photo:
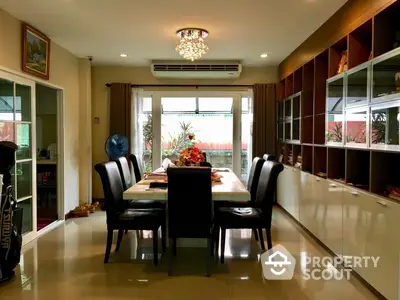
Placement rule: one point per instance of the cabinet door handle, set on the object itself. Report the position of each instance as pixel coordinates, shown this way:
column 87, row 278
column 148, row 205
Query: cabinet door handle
column 381, row 202
column 293, row 170
column 354, row 193
column 317, row 179
column 332, row 185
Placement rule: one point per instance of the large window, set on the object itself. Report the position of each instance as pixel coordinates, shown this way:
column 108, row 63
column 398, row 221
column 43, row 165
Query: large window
column 208, row 120
column 218, row 122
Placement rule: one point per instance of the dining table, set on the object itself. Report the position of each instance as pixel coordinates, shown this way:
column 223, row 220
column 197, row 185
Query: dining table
column 229, row 188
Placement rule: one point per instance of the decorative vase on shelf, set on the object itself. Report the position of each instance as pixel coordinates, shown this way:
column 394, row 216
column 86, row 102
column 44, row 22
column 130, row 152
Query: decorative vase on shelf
column 397, row 80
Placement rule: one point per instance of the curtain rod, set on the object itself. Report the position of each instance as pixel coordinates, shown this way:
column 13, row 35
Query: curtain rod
column 186, row 85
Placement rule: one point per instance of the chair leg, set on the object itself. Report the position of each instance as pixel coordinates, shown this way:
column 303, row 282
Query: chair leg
column 255, row 234
column 155, row 246
column 174, row 246
column 108, row 245
column 209, row 254
column 217, row 242
column 261, row 235
column 269, row 239
column 120, row 235
column 163, row 238
column 171, row 256
column 223, row 235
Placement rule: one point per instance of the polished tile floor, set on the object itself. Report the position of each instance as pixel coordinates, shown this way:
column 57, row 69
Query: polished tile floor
column 67, row 263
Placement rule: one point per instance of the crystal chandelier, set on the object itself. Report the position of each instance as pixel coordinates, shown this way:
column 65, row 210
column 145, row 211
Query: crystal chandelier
column 192, row 45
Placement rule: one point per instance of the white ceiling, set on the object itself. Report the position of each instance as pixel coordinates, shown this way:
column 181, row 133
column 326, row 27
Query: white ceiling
column 145, row 30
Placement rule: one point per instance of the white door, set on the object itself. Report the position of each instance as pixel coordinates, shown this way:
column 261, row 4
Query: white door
column 17, row 124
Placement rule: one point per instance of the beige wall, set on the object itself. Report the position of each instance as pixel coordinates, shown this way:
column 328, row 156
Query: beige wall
column 64, row 73
column 142, row 75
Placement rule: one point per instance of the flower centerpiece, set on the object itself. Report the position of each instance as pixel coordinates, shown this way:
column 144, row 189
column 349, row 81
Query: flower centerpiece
column 191, row 155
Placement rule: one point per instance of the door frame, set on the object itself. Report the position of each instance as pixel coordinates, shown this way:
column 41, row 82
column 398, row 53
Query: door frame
column 236, row 96
column 26, row 79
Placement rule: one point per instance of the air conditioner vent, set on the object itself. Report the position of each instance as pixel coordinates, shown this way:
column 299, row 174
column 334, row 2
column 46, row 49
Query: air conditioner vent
column 204, row 70
column 234, row 68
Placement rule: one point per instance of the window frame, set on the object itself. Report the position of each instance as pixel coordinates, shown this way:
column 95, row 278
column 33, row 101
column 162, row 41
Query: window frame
column 236, row 111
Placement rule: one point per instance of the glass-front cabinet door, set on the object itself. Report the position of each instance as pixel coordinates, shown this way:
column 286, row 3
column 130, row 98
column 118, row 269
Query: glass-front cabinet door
column 281, row 120
column 357, row 86
column 386, row 77
column 296, row 117
column 384, row 124
column 16, row 126
column 334, row 111
column 356, row 127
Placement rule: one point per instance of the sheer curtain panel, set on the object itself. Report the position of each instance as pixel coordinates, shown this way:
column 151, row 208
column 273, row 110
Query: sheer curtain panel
column 137, row 138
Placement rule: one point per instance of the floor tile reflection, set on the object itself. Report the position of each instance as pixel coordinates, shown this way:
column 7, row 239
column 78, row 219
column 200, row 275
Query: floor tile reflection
column 68, row 263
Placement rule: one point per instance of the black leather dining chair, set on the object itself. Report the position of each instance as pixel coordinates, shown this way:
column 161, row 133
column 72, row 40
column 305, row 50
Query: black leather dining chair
column 135, row 165
column 259, row 216
column 252, row 182
column 119, row 218
column 127, row 181
column 190, row 209
column 268, row 157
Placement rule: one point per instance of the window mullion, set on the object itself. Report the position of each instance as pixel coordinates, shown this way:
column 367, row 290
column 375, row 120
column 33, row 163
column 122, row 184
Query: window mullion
column 156, row 115
column 236, row 139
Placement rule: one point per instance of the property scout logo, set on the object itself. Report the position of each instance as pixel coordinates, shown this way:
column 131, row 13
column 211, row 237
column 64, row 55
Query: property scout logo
column 278, row 264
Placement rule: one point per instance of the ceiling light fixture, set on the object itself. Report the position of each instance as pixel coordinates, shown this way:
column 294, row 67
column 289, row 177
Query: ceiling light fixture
column 124, row 55
column 191, row 45
column 264, row 55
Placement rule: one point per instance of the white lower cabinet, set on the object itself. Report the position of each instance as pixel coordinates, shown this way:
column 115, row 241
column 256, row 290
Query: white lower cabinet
column 331, row 223
column 370, row 228
column 349, row 222
column 288, row 191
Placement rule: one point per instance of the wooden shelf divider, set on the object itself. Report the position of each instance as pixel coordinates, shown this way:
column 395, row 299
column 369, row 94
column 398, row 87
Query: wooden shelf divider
column 336, row 53
column 298, row 80
column 387, row 29
column 360, row 45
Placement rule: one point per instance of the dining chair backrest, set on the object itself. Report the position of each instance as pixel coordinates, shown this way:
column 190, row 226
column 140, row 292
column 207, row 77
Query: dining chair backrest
column 125, row 172
column 112, row 188
column 268, row 157
column 135, row 165
column 205, row 164
column 254, row 176
column 266, row 188
column 190, row 209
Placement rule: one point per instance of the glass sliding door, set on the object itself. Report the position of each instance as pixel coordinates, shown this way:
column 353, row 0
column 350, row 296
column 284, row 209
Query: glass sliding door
column 208, row 119
column 16, row 125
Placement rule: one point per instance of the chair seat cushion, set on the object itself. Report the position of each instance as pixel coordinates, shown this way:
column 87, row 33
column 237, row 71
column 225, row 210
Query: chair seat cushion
column 227, row 203
column 145, row 204
column 239, row 217
column 141, row 218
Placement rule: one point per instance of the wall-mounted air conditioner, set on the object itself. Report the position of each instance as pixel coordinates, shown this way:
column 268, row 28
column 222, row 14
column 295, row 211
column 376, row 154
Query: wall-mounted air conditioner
column 201, row 70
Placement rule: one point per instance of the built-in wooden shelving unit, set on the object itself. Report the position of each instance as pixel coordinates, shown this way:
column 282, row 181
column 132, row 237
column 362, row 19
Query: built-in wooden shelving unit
column 339, row 114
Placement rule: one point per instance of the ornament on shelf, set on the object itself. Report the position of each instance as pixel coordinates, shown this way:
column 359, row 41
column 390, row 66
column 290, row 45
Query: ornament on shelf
column 342, row 63
column 397, row 80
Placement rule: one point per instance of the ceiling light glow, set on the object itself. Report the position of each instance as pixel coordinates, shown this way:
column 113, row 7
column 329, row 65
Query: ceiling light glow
column 124, row 55
column 264, row 55
column 192, row 45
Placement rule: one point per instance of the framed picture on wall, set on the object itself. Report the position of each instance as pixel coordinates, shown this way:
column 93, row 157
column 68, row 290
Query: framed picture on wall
column 35, row 52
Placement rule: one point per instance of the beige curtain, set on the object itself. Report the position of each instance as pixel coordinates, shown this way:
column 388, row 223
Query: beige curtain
column 264, row 123
column 120, row 108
